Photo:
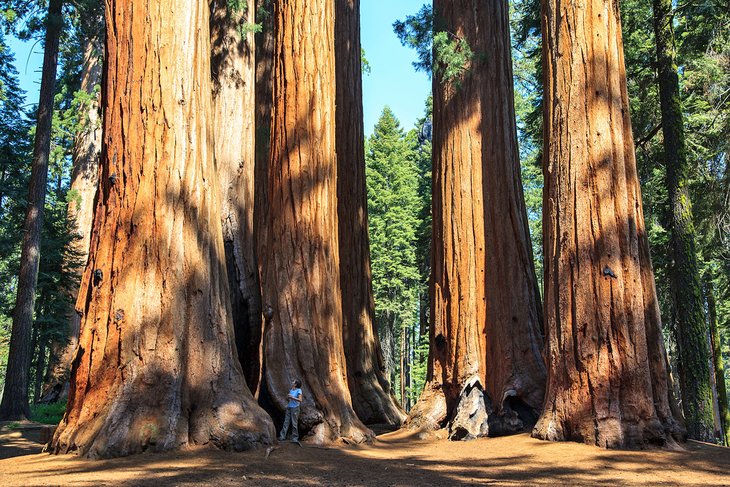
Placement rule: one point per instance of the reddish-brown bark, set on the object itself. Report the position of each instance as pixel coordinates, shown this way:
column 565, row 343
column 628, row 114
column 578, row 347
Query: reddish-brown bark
column 234, row 79
column 156, row 366
column 371, row 393
column 607, row 379
column 485, row 334
column 264, row 63
column 302, row 304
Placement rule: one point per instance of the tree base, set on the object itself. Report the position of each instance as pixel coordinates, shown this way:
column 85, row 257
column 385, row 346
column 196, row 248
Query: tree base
column 317, row 429
column 121, row 431
column 473, row 415
column 609, row 433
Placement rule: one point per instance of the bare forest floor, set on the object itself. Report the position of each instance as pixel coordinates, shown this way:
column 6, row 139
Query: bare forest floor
column 395, row 459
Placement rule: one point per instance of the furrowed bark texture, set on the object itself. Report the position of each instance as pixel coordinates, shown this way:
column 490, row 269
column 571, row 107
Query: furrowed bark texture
column 684, row 277
column 234, row 81
column 264, row 64
column 366, row 374
column 84, row 182
column 303, row 334
column 156, row 367
column 608, row 382
column 485, row 337
column 516, row 372
column 14, row 404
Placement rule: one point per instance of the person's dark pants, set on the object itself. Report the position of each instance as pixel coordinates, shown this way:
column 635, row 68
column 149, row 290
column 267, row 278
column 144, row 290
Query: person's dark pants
column 290, row 418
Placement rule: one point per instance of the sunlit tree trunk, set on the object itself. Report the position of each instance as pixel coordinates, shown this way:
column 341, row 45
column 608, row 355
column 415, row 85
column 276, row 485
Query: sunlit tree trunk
column 366, row 374
column 486, row 374
column 156, row 367
column 302, row 304
column 14, row 404
column 684, row 277
column 608, row 383
column 234, row 111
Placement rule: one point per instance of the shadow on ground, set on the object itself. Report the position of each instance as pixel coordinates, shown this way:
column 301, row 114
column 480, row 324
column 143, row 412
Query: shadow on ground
column 394, row 459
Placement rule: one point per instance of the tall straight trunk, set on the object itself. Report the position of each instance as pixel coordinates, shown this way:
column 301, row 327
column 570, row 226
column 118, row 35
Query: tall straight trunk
column 407, row 362
column 303, row 336
column 485, row 353
column 264, row 64
column 33, row 345
column 234, row 111
column 84, row 183
column 403, row 364
column 684, row 277
column 387, row 338
column 717, row 360
column 156, row 367
column 14, row 404
column 516, row 367
column 608, row 382
column 371, row 395
column 40, row 368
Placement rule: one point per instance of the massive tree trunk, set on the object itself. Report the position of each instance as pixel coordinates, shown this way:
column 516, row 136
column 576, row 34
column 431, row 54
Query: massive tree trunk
column 486, row 373
column 264, row 66
column 608, row 383
column 264, row 63
column 234, row 80
column 156, row 367
column 684, row 278
column 84, row 182
column 14, row 403
column 302, row 304
column 516, row 369
column 717, row 360
column 366, row 374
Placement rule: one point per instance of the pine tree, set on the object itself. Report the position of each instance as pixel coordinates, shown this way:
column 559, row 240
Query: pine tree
column 694, row 370
column 15, row 148
column 14, row 403
column 394, row 205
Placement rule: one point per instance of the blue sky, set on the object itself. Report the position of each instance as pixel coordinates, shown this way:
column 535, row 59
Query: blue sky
column 28, row 62
column 392, row 80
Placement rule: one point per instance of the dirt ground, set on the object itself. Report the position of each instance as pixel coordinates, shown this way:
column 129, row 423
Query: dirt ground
column 394, row 459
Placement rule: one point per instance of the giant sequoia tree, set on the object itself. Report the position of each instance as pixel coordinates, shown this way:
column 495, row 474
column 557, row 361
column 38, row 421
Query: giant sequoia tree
column 486, row 372
column 156, row 366
column 366, row 375
column 608, row 382
column 301, row 272
column 234, row 82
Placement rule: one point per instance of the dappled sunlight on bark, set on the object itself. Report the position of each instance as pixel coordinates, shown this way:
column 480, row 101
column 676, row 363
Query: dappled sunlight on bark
column 156, row 367
column 607, row 382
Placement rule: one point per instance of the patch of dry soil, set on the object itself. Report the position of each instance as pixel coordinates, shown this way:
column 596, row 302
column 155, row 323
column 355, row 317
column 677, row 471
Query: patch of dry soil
column 394, row 459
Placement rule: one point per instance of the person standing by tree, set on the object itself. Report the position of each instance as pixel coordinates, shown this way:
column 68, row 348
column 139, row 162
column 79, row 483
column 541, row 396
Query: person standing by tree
column 292, row 412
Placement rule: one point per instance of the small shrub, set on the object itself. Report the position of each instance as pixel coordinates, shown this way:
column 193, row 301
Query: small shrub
column 47, row 413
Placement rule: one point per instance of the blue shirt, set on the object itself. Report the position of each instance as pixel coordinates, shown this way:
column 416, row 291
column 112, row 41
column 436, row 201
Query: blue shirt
column 292, row 402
